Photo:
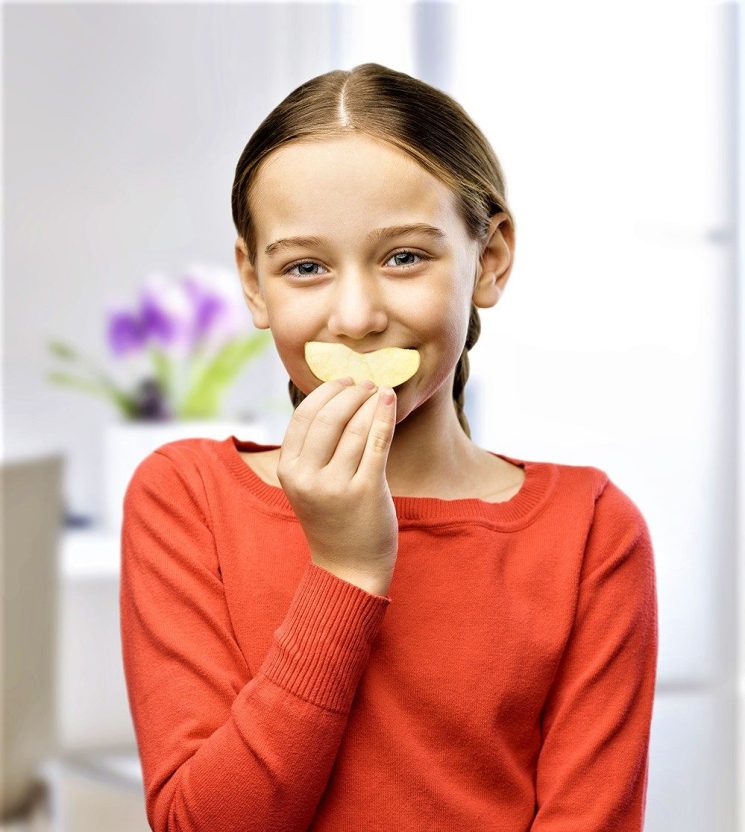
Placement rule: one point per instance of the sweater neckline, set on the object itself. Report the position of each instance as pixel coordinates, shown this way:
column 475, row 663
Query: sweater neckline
column 519, row 510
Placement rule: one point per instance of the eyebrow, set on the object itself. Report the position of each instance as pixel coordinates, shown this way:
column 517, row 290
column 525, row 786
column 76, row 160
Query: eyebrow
column 376, row 236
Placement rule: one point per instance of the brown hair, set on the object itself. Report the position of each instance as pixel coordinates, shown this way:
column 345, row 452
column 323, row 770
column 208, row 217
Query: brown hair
column 419, row 119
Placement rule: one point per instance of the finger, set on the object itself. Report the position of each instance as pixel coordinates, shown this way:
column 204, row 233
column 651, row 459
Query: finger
column 302, row 418
column 322, row 437
column 350, row 447
column 379, row 437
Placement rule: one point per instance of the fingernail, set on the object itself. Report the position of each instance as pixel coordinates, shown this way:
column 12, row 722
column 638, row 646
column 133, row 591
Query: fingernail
column 369, row 384
column 386, row 394
column 346, row 380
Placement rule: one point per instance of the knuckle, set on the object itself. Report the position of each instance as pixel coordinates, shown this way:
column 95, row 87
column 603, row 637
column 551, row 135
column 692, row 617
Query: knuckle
column 300, row 415
column 283, row 476
column 379, row 439
column 326, row 418
column 291, row 478
column 355, row 489
column 304, row 484
column 333, row 491
column 284, row 468
column 356, row 428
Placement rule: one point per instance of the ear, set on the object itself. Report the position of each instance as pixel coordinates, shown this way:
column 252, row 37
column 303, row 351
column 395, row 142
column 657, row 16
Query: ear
column 495, row 262
column 251, row 288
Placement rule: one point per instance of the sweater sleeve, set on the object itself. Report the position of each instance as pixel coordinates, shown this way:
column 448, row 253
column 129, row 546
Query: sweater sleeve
column 593, row 764
column 221, row 750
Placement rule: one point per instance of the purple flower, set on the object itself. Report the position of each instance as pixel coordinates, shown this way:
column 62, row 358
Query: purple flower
column 219, row 309
column 166, row 315
column 125, row 332
column 189, row 318
column 203, row 308
column 208, row 308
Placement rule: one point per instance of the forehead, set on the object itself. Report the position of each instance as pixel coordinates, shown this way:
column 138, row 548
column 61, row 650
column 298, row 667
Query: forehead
column 308, row 186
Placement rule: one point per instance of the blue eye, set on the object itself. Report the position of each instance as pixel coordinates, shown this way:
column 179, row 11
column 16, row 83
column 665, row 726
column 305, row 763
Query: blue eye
column 402, row 266
column 413, row 254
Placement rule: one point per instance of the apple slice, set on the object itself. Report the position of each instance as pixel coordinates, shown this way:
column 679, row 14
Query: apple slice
column 390, row 366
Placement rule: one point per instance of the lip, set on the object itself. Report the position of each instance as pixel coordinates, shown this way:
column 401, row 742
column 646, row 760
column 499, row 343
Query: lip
column 363, row 352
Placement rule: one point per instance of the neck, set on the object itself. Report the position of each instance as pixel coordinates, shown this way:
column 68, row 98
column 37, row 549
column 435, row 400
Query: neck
column 430, row 452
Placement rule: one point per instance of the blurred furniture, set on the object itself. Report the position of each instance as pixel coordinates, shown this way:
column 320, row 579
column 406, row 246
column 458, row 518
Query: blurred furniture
column 69, row 759
column 96, row 791
column 30, row 495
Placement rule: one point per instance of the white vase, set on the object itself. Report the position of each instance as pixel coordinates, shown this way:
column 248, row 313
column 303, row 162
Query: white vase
column 127, row 443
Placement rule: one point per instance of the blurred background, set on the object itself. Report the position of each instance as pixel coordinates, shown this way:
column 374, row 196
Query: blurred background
column 618, row 342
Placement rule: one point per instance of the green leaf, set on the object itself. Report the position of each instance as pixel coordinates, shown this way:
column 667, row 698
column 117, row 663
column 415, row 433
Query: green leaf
column 212, row 380
column 124, row 402
column 62, row 350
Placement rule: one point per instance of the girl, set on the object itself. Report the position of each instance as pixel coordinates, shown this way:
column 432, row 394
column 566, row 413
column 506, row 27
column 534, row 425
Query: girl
column 378, row 625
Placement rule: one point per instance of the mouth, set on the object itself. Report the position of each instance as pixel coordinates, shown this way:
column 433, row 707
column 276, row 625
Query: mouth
column 363, row 352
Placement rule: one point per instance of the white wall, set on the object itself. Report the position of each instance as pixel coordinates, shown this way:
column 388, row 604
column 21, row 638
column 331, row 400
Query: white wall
column 616, row 343
column 123, row 124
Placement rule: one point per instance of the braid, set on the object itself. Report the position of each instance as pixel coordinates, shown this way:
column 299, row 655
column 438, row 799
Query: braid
column 459, row 380
column 296, row 394
column 463, row 369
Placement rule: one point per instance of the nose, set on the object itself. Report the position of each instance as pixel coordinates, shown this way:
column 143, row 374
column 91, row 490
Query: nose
column 357, row 308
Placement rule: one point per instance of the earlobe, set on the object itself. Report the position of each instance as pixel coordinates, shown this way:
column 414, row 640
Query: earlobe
column 488, row 290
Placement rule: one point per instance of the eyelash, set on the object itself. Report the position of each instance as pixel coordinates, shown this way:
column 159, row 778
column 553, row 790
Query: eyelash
column 423, row 257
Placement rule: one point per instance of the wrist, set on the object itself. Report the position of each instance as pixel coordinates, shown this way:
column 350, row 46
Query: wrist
column 369, row 582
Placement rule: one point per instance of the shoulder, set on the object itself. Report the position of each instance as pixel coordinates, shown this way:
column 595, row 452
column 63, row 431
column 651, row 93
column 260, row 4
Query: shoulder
column 605, row 521
column 610, row 509
column 612, row 506
column 171, row 471
column 619, row 537
column 166, row 516
column 572, row 488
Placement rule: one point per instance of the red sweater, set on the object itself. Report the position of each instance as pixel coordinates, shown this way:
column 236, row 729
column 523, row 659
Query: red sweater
column 504, row 684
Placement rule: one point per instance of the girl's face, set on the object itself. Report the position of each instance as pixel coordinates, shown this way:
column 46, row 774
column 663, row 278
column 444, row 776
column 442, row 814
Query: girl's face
column 354, row 278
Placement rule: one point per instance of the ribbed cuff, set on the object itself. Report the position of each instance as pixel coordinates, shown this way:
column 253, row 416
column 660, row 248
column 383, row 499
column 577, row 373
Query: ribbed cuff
column 322, row 647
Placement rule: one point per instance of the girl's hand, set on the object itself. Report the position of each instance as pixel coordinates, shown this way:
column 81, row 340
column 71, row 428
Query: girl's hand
column 332, row 468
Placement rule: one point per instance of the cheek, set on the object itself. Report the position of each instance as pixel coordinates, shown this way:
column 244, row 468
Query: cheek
column 291, row 328
column 289, row 342
column 443, row 329
column 287, row 307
